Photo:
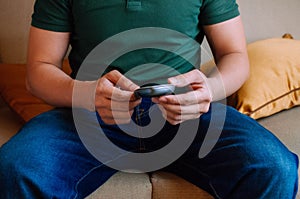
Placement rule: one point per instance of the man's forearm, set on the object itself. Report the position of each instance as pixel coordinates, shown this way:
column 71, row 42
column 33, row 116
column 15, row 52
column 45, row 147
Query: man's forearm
column 51, row 84
column 231, row 72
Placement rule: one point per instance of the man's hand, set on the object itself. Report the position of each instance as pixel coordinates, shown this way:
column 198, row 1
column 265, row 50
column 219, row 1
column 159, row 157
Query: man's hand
column 114, row 99
column 181, row 107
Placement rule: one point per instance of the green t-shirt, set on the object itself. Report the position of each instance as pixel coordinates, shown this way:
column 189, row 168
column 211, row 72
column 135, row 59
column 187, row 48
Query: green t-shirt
column 93, row 21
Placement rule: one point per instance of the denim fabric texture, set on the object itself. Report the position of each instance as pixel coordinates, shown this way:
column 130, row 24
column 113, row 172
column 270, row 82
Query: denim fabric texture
column 47, row 159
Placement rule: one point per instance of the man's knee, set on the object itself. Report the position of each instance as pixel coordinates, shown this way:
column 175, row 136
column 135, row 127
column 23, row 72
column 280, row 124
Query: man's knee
column 11, row 169
column 274, row 168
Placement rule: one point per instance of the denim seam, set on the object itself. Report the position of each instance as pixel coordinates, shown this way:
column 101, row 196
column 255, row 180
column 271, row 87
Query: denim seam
column 204, row 174
column 76, row 186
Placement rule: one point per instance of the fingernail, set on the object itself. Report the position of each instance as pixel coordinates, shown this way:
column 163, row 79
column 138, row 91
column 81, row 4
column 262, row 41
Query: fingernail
column 173, row 80
column 163, row 99
column 155, row 100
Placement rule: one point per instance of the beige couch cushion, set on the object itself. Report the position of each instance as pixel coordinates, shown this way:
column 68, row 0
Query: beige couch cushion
column 167, row 185
column 124, row 186
column 285, row 125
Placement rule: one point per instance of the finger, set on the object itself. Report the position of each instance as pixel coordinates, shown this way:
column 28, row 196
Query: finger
column 187, row 110
column 124, row 106
column 118, row 94
column 102, row 102
column 170, row 117
column 119, row 121
column 111, row 92
column 189, row 98
column 194, row 76
column 181, row 111
column 176, row 119
column 155, row 100
column 116, row 115
column 126, row 84
column 107, row 87
column 181, row 99
column 116, row 105
column 119, row 115
column 121, row 81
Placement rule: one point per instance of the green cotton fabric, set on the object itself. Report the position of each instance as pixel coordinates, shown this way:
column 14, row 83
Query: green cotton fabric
column 93, row 21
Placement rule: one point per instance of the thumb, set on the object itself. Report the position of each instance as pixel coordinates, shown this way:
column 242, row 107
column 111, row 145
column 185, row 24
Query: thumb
column 186, row 79
column 121, row 81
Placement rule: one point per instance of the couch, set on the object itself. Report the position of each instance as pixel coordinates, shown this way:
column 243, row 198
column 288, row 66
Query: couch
column 280, row 114
column 17, row 106
column 283, row 121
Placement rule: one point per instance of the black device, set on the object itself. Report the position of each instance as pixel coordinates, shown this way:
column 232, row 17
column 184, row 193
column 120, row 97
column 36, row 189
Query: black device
column 154, row 90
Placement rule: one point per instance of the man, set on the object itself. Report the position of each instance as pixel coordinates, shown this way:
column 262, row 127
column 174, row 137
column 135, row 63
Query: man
column 247, row 160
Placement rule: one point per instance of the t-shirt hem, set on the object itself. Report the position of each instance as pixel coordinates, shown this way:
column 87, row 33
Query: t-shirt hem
column 218, row 19
column 50, row 27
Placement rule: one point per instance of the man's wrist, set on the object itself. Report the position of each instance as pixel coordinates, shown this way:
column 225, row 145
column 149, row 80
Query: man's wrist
column 216, row 88
column 84, row 94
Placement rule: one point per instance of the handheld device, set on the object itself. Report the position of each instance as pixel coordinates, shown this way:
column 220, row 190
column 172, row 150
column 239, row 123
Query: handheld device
column 151, row 90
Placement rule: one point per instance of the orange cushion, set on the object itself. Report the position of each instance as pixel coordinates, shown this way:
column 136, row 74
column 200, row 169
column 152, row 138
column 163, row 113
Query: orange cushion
column 14, row 93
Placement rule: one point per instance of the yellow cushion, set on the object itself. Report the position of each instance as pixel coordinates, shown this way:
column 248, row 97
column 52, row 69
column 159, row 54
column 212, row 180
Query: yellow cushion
column 274, row 83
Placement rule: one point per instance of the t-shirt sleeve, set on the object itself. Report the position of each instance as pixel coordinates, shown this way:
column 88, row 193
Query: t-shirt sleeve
column 53, row 15
column 217, row 11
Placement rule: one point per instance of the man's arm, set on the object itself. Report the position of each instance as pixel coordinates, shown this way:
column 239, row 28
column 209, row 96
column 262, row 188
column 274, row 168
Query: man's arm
column 110, row 95
column 228, row 45
column 227, row 42
column 45, row 79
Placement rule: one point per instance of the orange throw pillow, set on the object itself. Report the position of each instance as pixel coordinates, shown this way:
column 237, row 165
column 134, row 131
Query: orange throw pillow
column 14, row 93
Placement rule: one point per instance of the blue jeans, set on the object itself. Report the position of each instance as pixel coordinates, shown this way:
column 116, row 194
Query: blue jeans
column 47, row 159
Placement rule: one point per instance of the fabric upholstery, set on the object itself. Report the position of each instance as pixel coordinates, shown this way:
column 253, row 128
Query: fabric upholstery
column 274, row 83
column 168, row 185
column 124, row 186
column 121, row 185
column 14, row 93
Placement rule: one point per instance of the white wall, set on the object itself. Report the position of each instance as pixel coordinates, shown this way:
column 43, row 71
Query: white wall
column 270, row 18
